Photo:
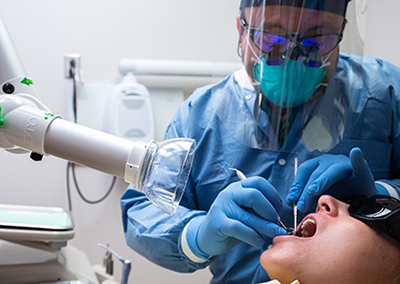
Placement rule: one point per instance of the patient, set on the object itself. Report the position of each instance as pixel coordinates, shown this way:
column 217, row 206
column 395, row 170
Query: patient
column 334, row 247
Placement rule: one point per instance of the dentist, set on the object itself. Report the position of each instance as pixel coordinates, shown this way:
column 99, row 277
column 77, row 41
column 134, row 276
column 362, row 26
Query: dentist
column 295, row 97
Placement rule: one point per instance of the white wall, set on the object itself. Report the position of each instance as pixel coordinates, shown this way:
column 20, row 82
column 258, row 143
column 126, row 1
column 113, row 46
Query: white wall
column 383, row 34
column 103, row 31
column 378, row 21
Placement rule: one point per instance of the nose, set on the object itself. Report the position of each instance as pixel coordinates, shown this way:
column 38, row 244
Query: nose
column 328, row 205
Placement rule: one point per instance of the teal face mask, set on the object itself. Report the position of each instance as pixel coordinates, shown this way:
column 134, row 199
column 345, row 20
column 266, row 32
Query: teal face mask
column 287, row 85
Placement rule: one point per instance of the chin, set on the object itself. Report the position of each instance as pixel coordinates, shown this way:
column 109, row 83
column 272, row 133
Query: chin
column 278, row 264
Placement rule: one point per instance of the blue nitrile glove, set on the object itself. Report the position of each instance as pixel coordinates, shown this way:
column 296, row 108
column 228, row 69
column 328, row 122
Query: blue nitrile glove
column 229, row 221
column 336, row 175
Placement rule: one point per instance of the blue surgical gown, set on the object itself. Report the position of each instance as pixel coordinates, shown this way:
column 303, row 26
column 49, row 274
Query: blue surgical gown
column 363, row 105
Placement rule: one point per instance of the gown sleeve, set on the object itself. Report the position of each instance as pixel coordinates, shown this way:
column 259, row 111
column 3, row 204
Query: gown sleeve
column 153, row 233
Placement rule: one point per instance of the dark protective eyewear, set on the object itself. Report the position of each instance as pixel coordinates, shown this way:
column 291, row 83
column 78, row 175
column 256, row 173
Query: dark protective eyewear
column 380, row 212
column 269, row 42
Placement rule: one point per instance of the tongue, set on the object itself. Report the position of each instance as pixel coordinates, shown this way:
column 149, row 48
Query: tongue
column 309, row 229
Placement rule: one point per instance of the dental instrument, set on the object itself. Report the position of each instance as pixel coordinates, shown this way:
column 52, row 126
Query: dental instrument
column 296, row 166
column 293, row 233
column 242, row 176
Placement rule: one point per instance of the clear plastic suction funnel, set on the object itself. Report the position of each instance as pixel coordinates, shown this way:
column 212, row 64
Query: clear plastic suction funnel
column 165, row 171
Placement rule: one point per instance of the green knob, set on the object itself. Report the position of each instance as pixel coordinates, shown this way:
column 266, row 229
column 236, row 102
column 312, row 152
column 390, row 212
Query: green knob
column 1, row 119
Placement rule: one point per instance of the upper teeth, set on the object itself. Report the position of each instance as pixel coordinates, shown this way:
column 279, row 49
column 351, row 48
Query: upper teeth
column 305, row 226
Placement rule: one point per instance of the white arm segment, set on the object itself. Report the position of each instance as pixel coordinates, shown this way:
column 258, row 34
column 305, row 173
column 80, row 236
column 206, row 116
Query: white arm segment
column 92, row 148
column 11, row 66
column 25, row 126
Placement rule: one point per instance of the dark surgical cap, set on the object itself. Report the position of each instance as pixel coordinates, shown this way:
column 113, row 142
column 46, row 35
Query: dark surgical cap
column 333, row 6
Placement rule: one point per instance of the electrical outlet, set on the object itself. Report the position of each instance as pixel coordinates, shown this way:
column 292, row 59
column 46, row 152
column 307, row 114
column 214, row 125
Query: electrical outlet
column 68, row 58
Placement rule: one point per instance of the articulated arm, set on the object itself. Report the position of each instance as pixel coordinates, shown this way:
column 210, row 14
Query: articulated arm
column 26, row 125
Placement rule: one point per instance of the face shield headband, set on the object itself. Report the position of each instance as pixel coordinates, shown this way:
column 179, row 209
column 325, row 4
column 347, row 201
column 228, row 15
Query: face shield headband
column 332, row 6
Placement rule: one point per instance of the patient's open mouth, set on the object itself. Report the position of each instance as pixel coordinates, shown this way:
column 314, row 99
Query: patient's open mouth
column 307, row 228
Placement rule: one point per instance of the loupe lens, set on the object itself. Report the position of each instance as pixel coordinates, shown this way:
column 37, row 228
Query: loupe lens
column 165, row 172
column 372, row 207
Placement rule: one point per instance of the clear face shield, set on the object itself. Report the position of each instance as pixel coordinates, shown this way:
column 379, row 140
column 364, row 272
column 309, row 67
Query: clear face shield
column 284, row 99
